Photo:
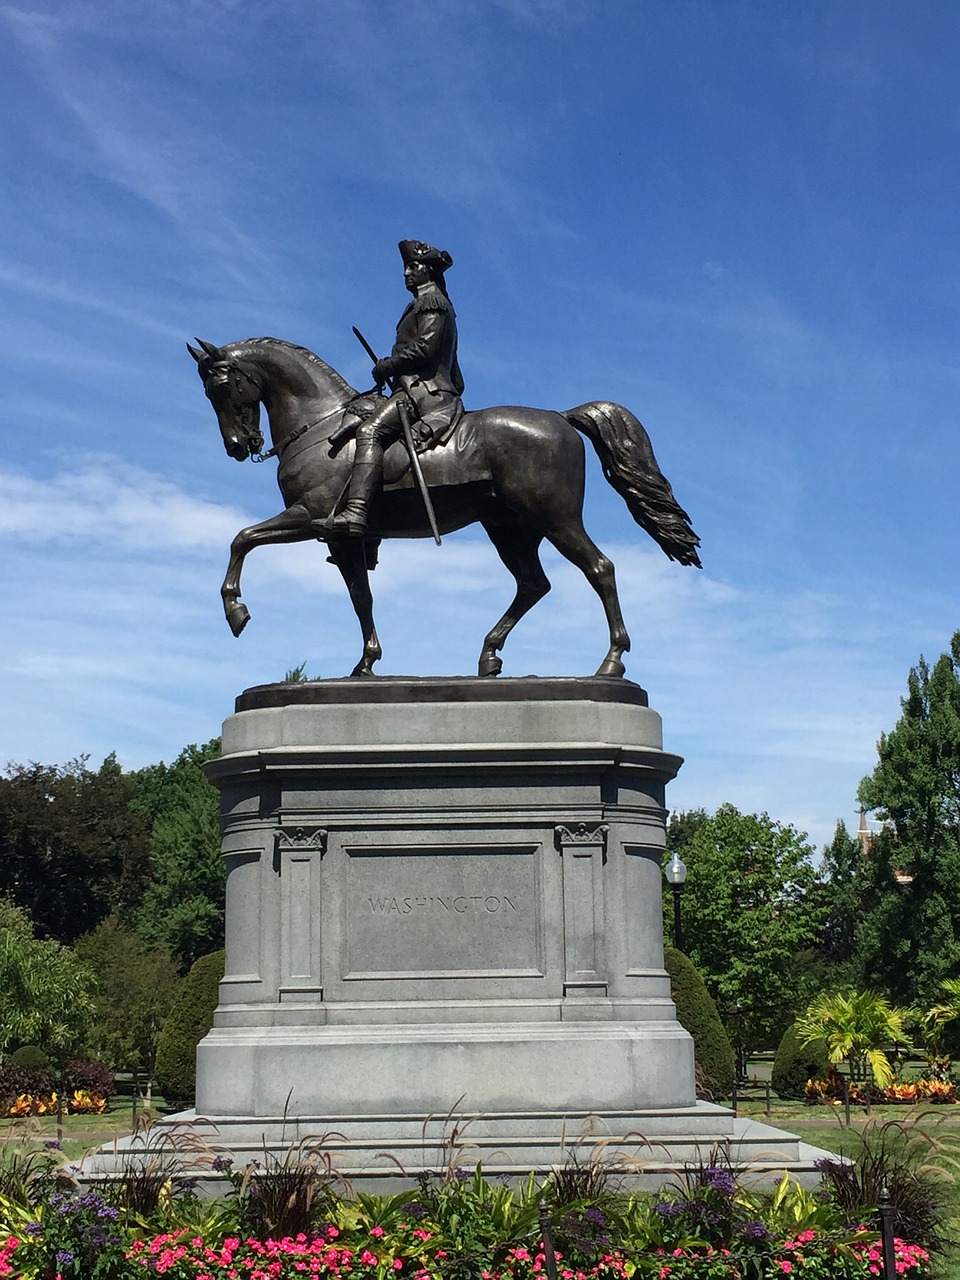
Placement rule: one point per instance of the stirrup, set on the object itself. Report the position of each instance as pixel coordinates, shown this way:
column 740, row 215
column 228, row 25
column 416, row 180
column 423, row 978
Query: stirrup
column 352, row 520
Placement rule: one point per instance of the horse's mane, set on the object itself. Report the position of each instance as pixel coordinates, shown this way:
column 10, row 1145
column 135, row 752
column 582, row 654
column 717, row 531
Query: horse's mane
column 305, row 353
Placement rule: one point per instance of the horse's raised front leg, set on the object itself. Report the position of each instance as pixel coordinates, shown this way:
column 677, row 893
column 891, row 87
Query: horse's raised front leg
column 350, row 557
column 572, row 541
column 518, row 549
column 292, row 525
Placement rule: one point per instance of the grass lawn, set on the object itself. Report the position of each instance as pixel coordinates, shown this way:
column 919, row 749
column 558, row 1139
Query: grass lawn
column 80, row 1133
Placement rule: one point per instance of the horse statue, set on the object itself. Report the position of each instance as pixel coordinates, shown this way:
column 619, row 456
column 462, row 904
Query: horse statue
column 519, row 472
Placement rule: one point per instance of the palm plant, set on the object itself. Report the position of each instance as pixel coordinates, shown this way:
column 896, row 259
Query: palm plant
column 939, row 1015
column 858, row 1027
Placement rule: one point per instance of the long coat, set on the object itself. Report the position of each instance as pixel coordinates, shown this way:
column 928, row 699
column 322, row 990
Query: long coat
column 424, row 360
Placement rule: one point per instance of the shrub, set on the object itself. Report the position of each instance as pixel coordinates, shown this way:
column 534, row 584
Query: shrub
column 17, row 1081
column 794, row 1065
column 188, row 1021
column 31, row 1057
column 87, row 1077
column 697, row 1013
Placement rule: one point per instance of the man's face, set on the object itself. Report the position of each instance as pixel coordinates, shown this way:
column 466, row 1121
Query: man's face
column 415, row 274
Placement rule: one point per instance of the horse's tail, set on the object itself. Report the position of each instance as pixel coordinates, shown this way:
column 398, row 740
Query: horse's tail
column 628, row 462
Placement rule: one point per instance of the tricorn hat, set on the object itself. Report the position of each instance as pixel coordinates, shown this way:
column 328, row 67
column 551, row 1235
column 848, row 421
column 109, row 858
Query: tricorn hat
column 417, row 251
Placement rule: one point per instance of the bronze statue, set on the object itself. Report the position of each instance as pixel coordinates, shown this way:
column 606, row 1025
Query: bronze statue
column 518, row 471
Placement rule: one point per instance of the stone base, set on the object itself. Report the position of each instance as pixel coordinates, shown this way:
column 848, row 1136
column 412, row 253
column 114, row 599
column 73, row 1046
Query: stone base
column 385, row 1153
column 485, row 1067
column 444, row 899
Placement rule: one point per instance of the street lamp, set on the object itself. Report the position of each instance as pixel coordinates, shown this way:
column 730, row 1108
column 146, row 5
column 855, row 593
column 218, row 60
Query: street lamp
column 676, row 873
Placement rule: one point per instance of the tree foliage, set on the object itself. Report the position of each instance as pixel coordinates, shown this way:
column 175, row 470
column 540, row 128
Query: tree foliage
column 697, row 1013
column 46, row 990
column 190, row 1018
column 909, row 934
column 182, row 908
column 749, row 910
column 135, row 987
column 71, row 850
column 840, row 876
column 796, row 1062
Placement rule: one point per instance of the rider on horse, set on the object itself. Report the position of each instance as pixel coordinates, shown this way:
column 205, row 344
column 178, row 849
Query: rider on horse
column 426, row 381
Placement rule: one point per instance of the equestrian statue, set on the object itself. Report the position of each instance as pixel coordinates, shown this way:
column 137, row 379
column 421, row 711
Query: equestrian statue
column 357, row 467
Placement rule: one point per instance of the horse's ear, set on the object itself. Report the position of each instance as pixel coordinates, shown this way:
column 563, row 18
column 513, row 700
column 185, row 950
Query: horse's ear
column 212, row 351
column 197, row 355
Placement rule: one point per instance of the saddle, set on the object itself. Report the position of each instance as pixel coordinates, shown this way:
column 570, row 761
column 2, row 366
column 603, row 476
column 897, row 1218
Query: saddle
column 458, row 456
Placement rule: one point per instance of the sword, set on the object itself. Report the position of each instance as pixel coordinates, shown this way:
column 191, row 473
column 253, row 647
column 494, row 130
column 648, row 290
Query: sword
column 408, row 441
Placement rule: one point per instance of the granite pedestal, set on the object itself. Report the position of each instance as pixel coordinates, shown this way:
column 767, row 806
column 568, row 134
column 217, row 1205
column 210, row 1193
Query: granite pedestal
column 444, row 926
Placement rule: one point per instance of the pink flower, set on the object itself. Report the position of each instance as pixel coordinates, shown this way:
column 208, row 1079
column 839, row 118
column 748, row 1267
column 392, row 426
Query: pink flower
column 785, row 1266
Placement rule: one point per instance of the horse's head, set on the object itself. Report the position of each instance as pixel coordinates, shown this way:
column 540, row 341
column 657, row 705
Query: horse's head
column 234, row 388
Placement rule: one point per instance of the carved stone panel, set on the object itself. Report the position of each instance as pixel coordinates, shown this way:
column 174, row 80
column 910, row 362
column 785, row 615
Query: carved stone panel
column 299, row 853
column 442, row 911
column 582, row 848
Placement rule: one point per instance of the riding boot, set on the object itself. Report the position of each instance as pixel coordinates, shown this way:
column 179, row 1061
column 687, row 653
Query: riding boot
column 365, row 482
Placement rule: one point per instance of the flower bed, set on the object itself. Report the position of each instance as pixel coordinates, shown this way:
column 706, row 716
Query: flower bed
column 185, row 1256
column 830, row 1089
column 455, row 1227
column 80, row 1103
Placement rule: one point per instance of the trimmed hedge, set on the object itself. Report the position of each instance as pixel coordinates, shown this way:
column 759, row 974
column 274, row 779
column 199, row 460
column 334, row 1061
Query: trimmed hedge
column 697, row 1013
column 793, row 1066
column 30, row 1057
column 189, row 1020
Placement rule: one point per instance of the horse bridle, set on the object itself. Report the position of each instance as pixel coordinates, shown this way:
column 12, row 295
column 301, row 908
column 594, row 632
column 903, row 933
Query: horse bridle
column 248, row 421
column 230, row 374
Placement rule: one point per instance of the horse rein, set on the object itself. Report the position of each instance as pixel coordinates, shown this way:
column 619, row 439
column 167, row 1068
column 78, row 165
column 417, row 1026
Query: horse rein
column 278, row 449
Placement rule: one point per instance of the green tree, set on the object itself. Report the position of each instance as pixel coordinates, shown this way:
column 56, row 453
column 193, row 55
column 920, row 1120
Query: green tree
column 909, row 932
column 840, row 866
column 796, row 1062
column 683, row 826
column 46, row 990
column 71, row 850
column 182, row 906
column 191, row 1017
column 858, row 1027
column 749, row 910
column 697, row 1013
column 680, row 831
column 135, row 987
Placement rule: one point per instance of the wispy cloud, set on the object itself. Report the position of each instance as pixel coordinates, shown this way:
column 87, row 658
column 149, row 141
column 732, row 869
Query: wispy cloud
column 135, row 140
column 113, row 503
column 53, row 289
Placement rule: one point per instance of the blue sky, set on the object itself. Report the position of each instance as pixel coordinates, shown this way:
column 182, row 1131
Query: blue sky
column 738, row 219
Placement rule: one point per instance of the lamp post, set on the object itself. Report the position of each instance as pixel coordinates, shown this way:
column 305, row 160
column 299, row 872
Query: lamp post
column 676, row 873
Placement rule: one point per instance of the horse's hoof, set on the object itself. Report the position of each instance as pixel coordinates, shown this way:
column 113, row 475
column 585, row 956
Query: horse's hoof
column 611, row 667
column 362, row 670
column 238, row 615
column 490, row 666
